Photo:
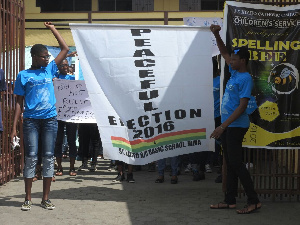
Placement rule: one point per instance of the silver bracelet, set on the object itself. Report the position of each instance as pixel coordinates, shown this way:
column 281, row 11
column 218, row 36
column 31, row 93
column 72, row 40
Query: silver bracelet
column 222, row 127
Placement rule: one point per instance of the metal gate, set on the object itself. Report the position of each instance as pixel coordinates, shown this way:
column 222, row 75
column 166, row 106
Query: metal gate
column 12, row 52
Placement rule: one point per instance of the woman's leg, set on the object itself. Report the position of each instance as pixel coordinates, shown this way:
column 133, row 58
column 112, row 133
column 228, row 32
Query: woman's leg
column 58, row 147
column 71, row 129
column 161, row 167
column 48, row 135
column 174, row 165
column 31, row 136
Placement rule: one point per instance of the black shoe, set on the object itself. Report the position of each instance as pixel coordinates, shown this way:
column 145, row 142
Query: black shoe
column 219, row 179
column 174, row 180
column 198, row 175
column 130, row 178
column 119, row 178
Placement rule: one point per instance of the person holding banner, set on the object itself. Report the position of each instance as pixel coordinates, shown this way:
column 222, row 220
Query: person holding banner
column 35, row 87
column 71, row 129
column 235, row 123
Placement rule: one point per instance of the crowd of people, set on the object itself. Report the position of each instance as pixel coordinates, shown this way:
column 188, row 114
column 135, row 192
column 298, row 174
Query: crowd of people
column 44, row 135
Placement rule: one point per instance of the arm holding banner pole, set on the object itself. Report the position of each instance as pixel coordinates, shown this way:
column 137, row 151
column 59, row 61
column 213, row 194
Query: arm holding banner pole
column 215, row 29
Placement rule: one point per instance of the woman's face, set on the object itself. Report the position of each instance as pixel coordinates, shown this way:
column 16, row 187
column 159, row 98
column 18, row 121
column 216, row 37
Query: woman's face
column 42, row 58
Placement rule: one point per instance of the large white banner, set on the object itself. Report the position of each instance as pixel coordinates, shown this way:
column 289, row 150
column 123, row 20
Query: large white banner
column 150, row 88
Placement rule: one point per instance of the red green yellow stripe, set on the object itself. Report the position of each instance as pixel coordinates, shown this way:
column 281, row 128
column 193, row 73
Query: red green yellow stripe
column 162, row 139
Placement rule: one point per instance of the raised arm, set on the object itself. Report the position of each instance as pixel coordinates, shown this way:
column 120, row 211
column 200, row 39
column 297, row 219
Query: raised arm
column 215, row 29
column 62, row 44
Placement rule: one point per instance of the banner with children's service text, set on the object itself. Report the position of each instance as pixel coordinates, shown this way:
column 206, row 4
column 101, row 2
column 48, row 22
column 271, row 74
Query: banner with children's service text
column 272, row 35
column 150, row 88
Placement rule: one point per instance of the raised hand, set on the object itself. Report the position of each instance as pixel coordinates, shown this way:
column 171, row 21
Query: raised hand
column 215, row 28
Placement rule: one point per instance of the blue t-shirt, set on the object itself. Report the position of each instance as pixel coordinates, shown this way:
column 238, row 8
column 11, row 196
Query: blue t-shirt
column 216, row 91
column 239, row 86
column 37, row 88
column 65, row 77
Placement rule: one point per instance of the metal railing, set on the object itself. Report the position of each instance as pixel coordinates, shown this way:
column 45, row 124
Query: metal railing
column 12, row 53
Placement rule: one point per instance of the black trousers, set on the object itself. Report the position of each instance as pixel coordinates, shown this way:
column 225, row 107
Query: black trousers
column 89, row 135
column 233, row 152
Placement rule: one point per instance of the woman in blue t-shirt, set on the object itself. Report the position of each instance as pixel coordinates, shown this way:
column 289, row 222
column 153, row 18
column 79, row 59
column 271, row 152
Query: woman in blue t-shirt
column 35, row 87
column 235, row 123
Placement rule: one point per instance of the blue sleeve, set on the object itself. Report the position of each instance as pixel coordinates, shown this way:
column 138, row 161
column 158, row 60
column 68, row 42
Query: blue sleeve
column 245, row 87
column 71, row 77
column 19, row 87
column 52, row 67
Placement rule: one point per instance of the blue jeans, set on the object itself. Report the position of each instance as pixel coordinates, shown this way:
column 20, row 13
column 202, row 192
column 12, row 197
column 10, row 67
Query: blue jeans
column 46, row 129
column 162, row 164
column 71, row 129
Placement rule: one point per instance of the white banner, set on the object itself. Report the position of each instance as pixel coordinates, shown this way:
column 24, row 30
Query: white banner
column 205, row 22
column 72, row 101
column 150, row 88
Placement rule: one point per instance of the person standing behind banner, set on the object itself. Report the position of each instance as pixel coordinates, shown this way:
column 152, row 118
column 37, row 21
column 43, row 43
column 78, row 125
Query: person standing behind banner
column 217, row 155
column 161, row 169
column 235, row 123
column 89, row 145
column 2, row 88
column 71, row 129
column 35, row 87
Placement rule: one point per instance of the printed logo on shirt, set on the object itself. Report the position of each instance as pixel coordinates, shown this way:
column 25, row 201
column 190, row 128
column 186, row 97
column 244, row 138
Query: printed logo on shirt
column 33, row 82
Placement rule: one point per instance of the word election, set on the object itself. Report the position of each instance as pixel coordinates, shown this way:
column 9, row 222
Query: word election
column 160, row 122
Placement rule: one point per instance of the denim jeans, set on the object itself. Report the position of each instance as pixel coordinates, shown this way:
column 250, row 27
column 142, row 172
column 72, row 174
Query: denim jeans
column 162, row 164
column 71, row 138
column 233, row 152
column 33, row 129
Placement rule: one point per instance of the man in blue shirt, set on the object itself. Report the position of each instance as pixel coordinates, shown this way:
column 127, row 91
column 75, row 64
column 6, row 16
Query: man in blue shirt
column 235, row 123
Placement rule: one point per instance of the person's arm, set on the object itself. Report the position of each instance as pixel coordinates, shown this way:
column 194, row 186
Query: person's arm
column 72, row 54
column 236, row 114
column 18, row 110
column 215, row 29
column 62, row 44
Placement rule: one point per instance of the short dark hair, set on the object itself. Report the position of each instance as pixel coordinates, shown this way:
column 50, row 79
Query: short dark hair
column 242, row 52
column 37, row 49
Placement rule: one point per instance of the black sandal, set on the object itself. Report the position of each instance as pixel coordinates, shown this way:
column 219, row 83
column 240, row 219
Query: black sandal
column 174, row 180
column 72, row 172
column 245, row 210
column 59, row 172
